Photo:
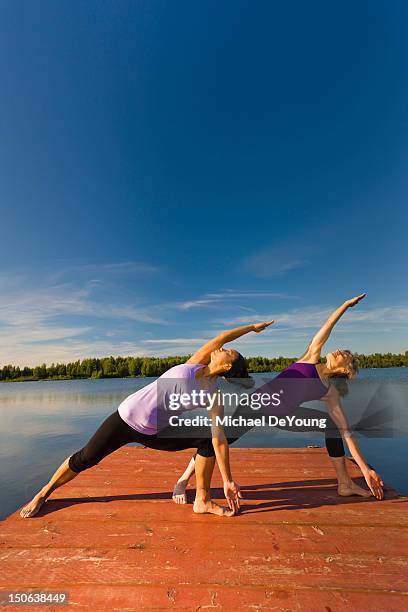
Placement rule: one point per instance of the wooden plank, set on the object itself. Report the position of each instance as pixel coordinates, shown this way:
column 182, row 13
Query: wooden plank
column 280, row 538
column 190, row 597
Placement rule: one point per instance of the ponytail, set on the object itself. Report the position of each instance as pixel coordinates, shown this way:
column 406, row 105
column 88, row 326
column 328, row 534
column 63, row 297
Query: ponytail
column 246, row 381
column 238, row 373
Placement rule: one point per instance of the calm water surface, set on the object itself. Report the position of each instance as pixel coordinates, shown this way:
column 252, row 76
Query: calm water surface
column 41, row 423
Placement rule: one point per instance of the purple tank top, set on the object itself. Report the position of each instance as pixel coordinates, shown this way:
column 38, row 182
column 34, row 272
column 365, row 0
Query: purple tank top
column 140, row 409
column 299, row 382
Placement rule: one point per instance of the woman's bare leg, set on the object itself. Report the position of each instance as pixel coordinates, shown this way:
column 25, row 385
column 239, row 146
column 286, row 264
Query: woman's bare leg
column 63, row 475
column 345, row 485
column 204, row 467
column 179, row 491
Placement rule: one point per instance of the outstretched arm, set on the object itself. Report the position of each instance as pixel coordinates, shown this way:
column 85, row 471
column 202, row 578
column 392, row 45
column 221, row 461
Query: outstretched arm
column 336, row 412
column 203, row 354
column 314, row 349
column 221, row 448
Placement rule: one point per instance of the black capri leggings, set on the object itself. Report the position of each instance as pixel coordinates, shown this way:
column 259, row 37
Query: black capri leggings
column 332, row 435
column 114, row 433
column 333, row 438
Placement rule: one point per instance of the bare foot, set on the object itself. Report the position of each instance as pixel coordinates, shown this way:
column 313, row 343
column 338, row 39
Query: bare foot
column 210, row 507
column 351, row 488
column 179, row 492
column 32, row 507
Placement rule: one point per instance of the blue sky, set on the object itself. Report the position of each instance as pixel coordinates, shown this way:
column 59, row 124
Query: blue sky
column 169, row 170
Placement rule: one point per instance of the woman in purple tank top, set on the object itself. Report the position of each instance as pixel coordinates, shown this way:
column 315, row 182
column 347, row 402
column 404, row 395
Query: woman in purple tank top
column 137, row 419
column 305, row 380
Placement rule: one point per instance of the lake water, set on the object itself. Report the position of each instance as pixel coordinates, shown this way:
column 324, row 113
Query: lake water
column 41, row 423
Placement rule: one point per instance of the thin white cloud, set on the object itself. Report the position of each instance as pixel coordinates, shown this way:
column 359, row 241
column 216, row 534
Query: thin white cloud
column 231, row 293
column 303, row 317
column 32, row 308
column 70, row 350
column 178, row 341
column 196, row 303
column 143, row 315
column 37, row 312
column 228, row 295
column 365, row 330
column 315, row 316
column 384, row 315
column 28, row 335
column 104, row 270
column 275, row 260
column 21, row 306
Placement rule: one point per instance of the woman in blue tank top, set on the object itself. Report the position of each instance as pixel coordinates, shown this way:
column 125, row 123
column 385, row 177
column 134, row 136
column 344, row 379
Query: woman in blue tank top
column 305, row 380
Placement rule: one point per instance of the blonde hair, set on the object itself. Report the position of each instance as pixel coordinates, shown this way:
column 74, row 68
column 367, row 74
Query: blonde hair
column 352, row 367
column 339, row 377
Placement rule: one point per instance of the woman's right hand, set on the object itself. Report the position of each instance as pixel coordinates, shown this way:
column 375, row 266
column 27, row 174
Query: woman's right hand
column 355, row 300
column 258, row 327
column 375, row 483
column 232, row 494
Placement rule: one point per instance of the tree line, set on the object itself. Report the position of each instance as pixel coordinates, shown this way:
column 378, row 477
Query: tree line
column 121, row 367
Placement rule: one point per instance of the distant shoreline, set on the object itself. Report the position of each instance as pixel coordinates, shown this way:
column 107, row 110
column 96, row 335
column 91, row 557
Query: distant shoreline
column 146, row 367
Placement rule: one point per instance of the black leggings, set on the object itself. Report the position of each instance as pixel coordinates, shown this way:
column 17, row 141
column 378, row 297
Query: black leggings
column 333, row 439
column 332, row 435
column 114, row 433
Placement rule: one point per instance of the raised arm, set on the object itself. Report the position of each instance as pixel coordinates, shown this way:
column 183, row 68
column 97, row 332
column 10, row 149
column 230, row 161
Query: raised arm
column 337, row 414
column 313, row 351
column 203, row 354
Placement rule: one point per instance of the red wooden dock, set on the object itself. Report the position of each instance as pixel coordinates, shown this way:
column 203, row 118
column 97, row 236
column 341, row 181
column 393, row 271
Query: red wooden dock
column 114, row 540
